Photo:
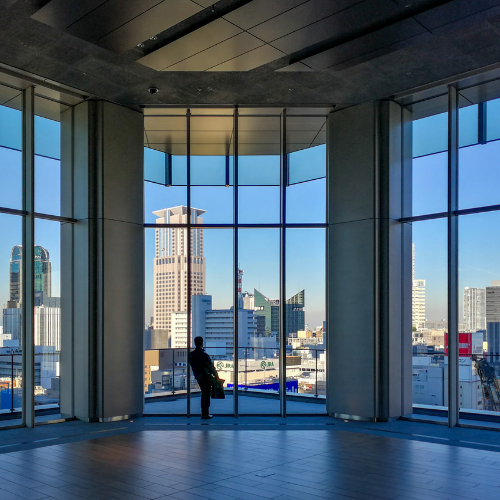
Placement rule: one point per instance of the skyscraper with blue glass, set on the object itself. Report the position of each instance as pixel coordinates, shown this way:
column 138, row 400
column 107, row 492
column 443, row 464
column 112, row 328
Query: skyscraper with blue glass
column 43, row 273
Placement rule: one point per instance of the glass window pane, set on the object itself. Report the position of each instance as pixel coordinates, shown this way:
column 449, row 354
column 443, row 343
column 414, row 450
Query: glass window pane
column 47, row 163
column 479, row 299
column 259, row 170
column 47, row 311
column 430, row 135
column 479, row 172
column 10, row 157
column 468, row 130
column 306, row 202
column 493, row 120
column 47, row 136
column 208, row 170
column 430, row 184
column 10, row 298
column 305, row 319
column 217, row 202
column 307, row 164
column 154, row 166
column 259, row 353
column 11, row 126
column 429, row 313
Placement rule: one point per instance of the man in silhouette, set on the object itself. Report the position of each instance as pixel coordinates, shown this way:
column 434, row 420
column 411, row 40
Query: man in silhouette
column 204, row 372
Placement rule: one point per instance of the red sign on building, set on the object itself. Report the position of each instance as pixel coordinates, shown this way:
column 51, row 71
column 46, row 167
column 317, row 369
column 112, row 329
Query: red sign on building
column 468, row 344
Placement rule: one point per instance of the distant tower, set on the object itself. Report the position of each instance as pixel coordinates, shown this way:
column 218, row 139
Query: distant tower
column 493, row 320
column 417, row 296
column 474, row 309
column 42, row 272
column 170, row 264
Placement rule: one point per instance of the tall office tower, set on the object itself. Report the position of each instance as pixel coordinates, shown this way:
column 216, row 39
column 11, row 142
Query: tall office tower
column 417, row 296
column 171, row 265
column 493, row 320
column 42, row 272
column 474, row 309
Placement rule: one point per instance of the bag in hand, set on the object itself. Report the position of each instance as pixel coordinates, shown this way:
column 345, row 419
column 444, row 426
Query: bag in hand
column 217, row 391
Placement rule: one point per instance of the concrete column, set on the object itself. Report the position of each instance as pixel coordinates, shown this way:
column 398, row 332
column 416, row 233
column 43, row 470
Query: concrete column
column 102, row 262
column 369, row 316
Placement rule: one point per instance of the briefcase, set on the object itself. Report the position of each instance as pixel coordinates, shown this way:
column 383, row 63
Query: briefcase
column 217, row 391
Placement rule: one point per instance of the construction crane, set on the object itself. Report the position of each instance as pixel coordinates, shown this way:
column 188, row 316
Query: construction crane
column 489, row 384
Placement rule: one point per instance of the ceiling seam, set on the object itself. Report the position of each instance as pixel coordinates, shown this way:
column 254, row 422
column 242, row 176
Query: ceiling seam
column 87, row 13
column 130, row 20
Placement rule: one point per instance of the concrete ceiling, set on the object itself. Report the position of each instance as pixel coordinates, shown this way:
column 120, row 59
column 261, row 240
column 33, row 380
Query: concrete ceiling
column 258, row 52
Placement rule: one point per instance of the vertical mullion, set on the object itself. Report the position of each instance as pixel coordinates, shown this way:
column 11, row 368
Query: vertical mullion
column 28, row 259
column 168, row 169
column 188, row 244
column 282, row 266
column 236, row 297
column 481, row 123
column 453, row 404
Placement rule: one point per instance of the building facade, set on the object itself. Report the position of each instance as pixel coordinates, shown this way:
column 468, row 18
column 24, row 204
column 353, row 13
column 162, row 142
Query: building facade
column 474, row 309
column 171, row 267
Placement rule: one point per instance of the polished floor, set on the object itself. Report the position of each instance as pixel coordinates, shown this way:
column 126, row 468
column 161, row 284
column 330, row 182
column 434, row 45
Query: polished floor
column 249, row 458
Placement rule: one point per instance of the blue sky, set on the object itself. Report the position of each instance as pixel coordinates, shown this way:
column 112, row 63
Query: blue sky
column 259, row 248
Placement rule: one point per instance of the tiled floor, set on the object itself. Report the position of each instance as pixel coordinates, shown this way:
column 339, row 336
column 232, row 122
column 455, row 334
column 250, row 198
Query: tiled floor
column 249, row 458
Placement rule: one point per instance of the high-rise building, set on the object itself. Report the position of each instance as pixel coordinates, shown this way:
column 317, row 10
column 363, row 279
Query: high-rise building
column 474, row 309
column 42, row 271
column 493, row 320
column 171, row 266
column 269, row 309
column 417, row 296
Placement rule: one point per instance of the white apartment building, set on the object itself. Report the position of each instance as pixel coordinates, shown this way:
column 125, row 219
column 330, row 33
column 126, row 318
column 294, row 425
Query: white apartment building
column 474, row 309
column 171, row 265
column 417, row 296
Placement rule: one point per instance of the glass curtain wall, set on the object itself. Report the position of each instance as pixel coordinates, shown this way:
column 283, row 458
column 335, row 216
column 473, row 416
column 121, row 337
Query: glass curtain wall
column 224, row 241
column 40, row 129
column 455, row 271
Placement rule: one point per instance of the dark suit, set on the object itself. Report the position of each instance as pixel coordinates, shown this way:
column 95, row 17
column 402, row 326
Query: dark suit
column 204, row 371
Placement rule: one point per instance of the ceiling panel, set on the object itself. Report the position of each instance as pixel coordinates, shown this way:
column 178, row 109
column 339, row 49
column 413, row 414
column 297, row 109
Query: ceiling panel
column 217, row 54
column 305, row 123
column 166, row 136
column 259, row 137
column 259, row 149
column 208, row 149
column 62, row 13
column 157, row 19
column 174, row 149
column 250, row 60
column 258, row 11
column 164, row 123
column 366, row 44
column 301, row 136
column 7, row 94
column 191, row 44
column 453, row 11
column 211, row 137
column 341, row 23
column 212, row 123
column 49, row 109
column 57, row 96
column 299, row 17
column 249, row 123
column 309, row 111
column 164, row 111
